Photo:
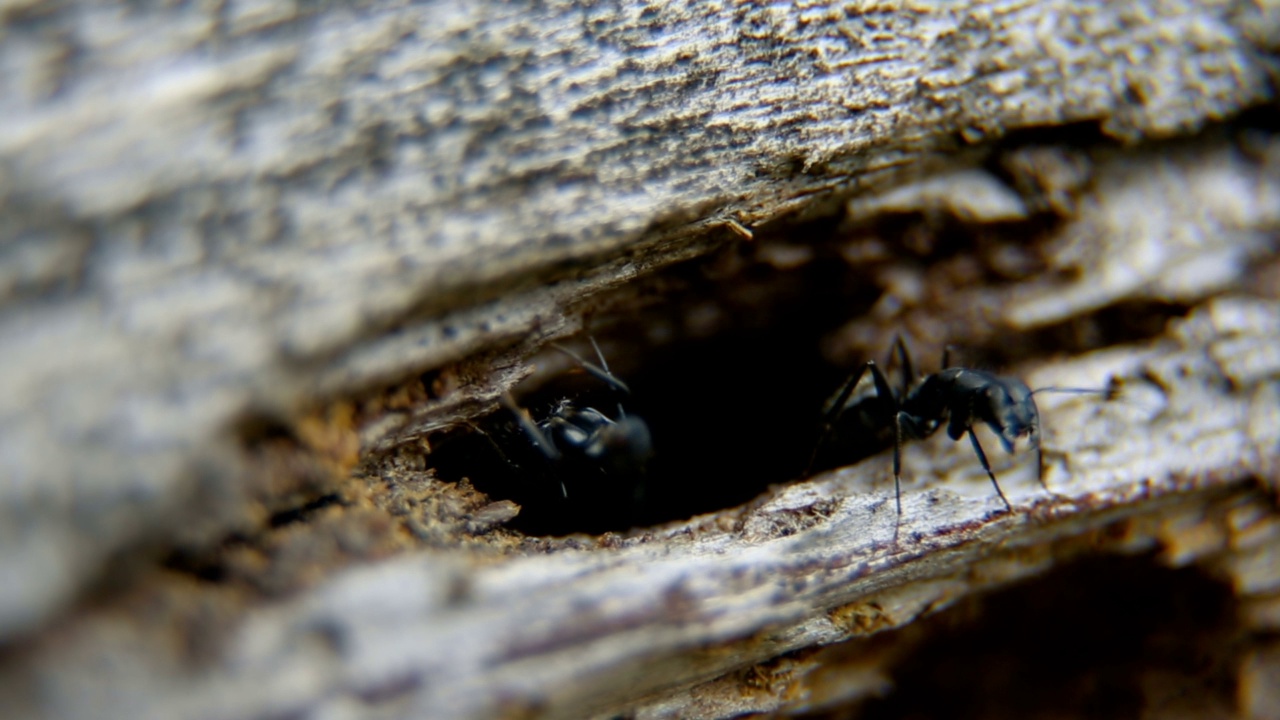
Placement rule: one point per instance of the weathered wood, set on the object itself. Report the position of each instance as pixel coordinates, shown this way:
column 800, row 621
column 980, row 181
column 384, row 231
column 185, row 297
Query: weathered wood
column 595, row 630
column 218, row 211
column 217, row 216
column 618, row 624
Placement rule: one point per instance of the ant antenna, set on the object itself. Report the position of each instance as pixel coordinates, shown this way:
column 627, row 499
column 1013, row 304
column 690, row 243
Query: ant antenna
column 622, row 413
column 599, row 355
column 1073, row 391
column 600, row 373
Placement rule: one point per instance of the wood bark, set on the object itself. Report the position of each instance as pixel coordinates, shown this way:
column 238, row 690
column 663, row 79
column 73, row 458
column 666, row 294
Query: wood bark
column 218, row 218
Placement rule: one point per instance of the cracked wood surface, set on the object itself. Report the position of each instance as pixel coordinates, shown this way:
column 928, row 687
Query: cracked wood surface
column 665, row 622
column 219, row 211
column 618, row 626
column 213, row 213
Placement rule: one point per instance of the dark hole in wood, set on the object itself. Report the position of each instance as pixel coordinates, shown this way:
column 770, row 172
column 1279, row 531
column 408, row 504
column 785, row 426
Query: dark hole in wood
column 1104, row 638
column 729, row 373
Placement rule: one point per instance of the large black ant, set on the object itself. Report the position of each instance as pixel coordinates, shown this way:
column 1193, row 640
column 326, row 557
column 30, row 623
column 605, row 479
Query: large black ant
column 584, row 445
column 959, row 396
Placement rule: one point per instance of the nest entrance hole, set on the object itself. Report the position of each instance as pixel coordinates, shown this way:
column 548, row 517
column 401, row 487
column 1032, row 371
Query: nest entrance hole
column 1111, row 637
column 730, row 358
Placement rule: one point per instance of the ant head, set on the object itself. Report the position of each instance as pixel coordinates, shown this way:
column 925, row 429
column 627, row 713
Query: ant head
column 625, row 446
column 1013, row 412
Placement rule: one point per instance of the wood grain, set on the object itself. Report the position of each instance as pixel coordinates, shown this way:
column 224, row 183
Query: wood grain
column 216, row 217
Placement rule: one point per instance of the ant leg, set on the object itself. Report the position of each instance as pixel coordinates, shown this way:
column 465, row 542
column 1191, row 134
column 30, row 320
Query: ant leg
column 982, row 457
column 904, row 361
column 946, row 356
column 898, row 420
column 535, row 434
column 884, row 392
column 897, row 460
column 904, row 425
column 882, row 384
column 835, row 408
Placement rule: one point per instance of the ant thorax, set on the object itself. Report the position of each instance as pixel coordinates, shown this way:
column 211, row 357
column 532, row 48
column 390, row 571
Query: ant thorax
column 966, row 397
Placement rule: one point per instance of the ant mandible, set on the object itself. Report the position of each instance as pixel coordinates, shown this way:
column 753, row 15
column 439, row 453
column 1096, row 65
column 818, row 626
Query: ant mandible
column 580, row 442
column 959, row 396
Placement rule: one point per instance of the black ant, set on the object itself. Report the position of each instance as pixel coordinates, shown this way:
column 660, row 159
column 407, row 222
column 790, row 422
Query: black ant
column 959, row 396
column 586, row 446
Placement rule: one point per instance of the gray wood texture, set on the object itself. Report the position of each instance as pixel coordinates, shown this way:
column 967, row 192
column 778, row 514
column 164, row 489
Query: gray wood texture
column 212, row 214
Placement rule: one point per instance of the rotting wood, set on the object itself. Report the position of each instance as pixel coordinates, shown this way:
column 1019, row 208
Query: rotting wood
column 210, row 215
column 597, row 630
column 278, row 206
column 623, row 621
